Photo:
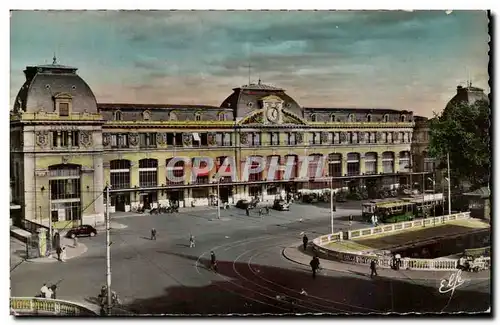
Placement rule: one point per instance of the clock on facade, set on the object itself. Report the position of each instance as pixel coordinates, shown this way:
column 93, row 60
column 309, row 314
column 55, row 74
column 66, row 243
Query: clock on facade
column 272, row 114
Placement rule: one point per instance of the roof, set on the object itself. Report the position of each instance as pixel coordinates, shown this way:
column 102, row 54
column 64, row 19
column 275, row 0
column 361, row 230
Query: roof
column 358, row 110
column 483, row 192
column 260, row 86
column 114, row 106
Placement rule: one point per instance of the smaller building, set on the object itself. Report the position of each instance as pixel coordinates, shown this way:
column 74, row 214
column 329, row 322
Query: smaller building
column 479, row 203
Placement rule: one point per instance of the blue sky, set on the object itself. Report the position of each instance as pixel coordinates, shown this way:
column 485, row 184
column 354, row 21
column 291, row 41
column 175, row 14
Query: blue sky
column 401, row 60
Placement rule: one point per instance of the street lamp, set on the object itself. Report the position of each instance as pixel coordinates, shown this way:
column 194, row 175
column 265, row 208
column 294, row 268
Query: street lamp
column 217, row 178
column 449, row 183
column 331, row 202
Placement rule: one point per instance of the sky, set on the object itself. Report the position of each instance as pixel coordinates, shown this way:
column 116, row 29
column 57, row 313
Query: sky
column 365, row 59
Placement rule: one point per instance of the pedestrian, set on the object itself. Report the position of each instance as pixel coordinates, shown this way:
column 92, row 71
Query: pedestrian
column 53, row 288
column 44, row 290
column 59, row 251
column 191, row 241
column 305, row 241
column 153, row 234
column 248, row 212
column 267, row 210
column 398, row 261
column 314, row 265
column 49, row 294
column 75, row 242
column 63, row 254
column 373, row 268
column 260, row 212
column 213, row 261
column 350, row 219
column 376, row 221
column 373, row 220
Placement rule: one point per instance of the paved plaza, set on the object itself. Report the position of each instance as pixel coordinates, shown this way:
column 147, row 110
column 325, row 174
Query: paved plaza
column 166, row 276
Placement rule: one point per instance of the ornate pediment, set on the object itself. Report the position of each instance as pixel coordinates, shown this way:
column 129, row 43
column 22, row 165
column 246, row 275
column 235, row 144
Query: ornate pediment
column 260, row 118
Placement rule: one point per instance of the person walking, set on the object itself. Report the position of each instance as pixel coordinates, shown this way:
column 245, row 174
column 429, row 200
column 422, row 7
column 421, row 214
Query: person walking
column 75, row 242
column 248, row 212
column 305, row 241
column 350, row 219
column 63, row 254
column 58, row 252
column 267, row 210
column 53, row 288
column 191, row 241
column 260, row 212
column 373, row 268
column 314, row 265
column 213, row 261
column 153, row 234
column 375, row 221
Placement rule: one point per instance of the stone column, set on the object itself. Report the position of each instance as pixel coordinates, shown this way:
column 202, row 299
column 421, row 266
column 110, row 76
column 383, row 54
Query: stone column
column 362, row 165
column 344, row 165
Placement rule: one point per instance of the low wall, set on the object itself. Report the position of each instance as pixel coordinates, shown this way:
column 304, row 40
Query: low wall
column 366, row 232
column 32, row 306
column 384, row 261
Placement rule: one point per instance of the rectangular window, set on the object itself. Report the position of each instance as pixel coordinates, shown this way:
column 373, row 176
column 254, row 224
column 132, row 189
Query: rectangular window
column 114, row 140
column 54, row 138
column 388, row 166
column 274, row 137
column 147, row 140
column 75, row 140
column 354, row 137
column 219, row 139
column 227, row 139
column 147, row 178
column 64, row 138
column 170, row 139
column 62, row 189
column 63, row 109
column 336, row 138
column 291, row 139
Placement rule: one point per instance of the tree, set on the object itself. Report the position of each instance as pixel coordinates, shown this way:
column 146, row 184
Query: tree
column 463, row 131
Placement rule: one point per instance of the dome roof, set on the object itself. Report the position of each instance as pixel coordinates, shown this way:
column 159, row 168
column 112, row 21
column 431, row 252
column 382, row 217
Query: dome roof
column 247, row 98
column 43, row 82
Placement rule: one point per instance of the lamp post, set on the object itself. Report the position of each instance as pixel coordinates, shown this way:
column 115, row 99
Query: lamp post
column 108, row 253
column 330, row 178
column 449, row 183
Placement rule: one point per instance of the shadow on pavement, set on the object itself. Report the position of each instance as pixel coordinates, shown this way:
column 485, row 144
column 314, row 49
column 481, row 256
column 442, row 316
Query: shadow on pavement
column 240, row 288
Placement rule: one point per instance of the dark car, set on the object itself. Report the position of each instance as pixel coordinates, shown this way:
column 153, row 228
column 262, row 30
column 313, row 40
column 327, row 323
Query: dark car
column 84, row 230
column 281, row 205
column 243, row 204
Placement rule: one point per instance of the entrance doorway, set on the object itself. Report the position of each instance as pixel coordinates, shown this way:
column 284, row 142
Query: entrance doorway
column 148, row 198
column 225, row 193
column 120, row 201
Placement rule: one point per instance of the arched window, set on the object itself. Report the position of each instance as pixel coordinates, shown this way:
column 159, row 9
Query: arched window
column 332, row 118
column 120, row 173
column 351, row 118
column 335, row 165
column 148, row 169
column 222, row 116
column 117, row 116
column 65, row 192
column 403, row 118
column 313, row 117
column 369, row 118
column 404, row 161
column 146, row 115
column 386, row 118
column 172, row 116
column 353, row 167
column 197, row 117
column 370, row 163
column 388, row 162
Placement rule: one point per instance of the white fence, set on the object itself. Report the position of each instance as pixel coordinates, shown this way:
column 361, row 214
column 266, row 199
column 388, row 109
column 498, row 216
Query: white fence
column 366, row 232
column 33, row 306
column 384, row 261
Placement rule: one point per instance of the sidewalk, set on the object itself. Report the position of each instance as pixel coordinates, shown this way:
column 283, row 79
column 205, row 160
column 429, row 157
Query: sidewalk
column 296, row 254
column 71, row 252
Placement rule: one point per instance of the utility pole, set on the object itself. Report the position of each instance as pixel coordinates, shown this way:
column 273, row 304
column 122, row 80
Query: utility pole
column 50, row 216
column 331, row 202
column 108, row 253
column 449, row 183
column 218, row 197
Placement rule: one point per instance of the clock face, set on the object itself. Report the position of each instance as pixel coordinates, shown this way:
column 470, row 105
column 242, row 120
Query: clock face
column 272, row 114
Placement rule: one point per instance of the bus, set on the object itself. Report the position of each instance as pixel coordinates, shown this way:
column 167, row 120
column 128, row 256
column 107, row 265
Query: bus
column 403, row 209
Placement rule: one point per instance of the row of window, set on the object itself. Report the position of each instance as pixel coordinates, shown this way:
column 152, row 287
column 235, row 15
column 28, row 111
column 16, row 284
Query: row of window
column 62, row 139
column 150, row 140
column 353, row 118
column 358, row 137
column 172, row 116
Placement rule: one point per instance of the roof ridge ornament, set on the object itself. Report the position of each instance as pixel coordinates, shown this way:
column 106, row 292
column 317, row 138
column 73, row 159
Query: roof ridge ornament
column 54, row 59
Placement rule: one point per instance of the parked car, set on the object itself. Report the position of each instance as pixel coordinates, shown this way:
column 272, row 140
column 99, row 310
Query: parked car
column 243, row 204
column 281, row 205
column 84, row 230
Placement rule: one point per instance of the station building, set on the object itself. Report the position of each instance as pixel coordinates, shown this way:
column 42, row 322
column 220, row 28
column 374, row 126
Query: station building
column 65, row 147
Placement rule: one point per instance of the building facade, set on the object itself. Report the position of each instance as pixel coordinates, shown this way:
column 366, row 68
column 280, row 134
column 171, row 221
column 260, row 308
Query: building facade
column 65, row 147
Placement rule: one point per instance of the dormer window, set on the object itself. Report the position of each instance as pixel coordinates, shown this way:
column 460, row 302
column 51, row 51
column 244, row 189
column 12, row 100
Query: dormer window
column 332, row 118
column 62, row 103
column 313, row 117
column 197, row 117
column 403, row 118
column 118, row 116
column 222, row 117
column 351, row 118
column 146, row 115
column 369, row 118
column 172, row 116
column 386, row 118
